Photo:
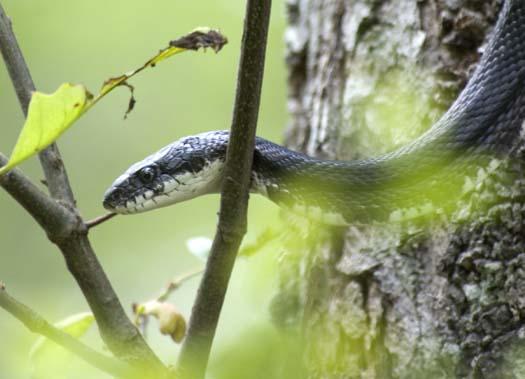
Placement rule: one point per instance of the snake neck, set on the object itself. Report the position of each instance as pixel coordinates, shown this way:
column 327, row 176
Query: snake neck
column 396, row 186
column 341, row 192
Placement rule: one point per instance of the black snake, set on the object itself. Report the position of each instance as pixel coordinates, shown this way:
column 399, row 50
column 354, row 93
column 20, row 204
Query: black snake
column 482, row 124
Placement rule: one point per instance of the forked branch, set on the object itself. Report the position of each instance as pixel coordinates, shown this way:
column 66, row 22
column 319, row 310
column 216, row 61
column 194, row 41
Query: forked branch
column 67, row 230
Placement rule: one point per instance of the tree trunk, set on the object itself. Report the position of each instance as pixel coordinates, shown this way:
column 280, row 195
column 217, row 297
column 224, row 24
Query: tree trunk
column 445, row 300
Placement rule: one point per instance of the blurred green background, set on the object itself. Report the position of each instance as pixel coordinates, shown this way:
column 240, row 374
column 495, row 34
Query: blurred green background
column 88, row 42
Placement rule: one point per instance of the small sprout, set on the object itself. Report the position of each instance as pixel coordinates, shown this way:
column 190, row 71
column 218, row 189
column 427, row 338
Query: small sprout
column 171, row 322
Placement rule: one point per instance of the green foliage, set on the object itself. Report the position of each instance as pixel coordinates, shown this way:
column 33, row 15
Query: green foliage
column 48, row 117
column 49, row 360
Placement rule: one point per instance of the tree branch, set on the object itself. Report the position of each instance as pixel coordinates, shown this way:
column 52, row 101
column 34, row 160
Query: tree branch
column 70, row 232
column 46, row 211
column 37, row 324
column 55, row 173
column 234, row 198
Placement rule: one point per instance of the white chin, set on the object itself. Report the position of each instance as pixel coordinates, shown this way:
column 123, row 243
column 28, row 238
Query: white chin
column 139, row 207
column 141, row 204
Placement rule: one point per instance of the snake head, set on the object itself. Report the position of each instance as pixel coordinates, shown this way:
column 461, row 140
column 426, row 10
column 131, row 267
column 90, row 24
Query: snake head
column 187, row 168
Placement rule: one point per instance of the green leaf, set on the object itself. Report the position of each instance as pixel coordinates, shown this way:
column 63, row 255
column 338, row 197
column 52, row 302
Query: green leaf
column 48, row 117
column 51, row 115
column 46, row 357
column 76, row 325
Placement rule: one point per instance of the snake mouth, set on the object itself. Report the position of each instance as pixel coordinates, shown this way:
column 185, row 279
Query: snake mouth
column 137, row 204
column 143, row 200
column 122, row 199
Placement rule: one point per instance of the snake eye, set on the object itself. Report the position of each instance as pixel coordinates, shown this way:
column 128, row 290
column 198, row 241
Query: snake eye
column 147, row 174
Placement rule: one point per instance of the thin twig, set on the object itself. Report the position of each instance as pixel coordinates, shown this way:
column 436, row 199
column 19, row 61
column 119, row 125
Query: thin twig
column 99, row 220
column 195, row 351
column 177, row 282
column 70, row 233
column 37, row 324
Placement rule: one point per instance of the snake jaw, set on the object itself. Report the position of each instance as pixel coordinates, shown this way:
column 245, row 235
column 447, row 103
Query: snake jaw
column 129, row 196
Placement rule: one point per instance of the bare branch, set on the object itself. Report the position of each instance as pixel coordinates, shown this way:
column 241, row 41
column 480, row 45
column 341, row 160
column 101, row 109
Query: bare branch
column 46, row 211
column 70, row 232
column 37, row 324
column 99, row 220
column 235, row 191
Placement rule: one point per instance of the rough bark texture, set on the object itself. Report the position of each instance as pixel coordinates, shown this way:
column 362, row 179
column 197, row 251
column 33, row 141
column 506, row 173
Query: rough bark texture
column 400, row 301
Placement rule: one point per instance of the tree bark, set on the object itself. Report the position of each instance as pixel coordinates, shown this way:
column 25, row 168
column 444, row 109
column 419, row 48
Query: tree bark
column 444, row 300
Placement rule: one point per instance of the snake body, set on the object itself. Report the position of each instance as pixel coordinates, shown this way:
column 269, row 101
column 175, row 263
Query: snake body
column 482, row 123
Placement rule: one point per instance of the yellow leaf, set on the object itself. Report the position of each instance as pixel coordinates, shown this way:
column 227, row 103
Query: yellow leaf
column 48, row 117
column 171, row 322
